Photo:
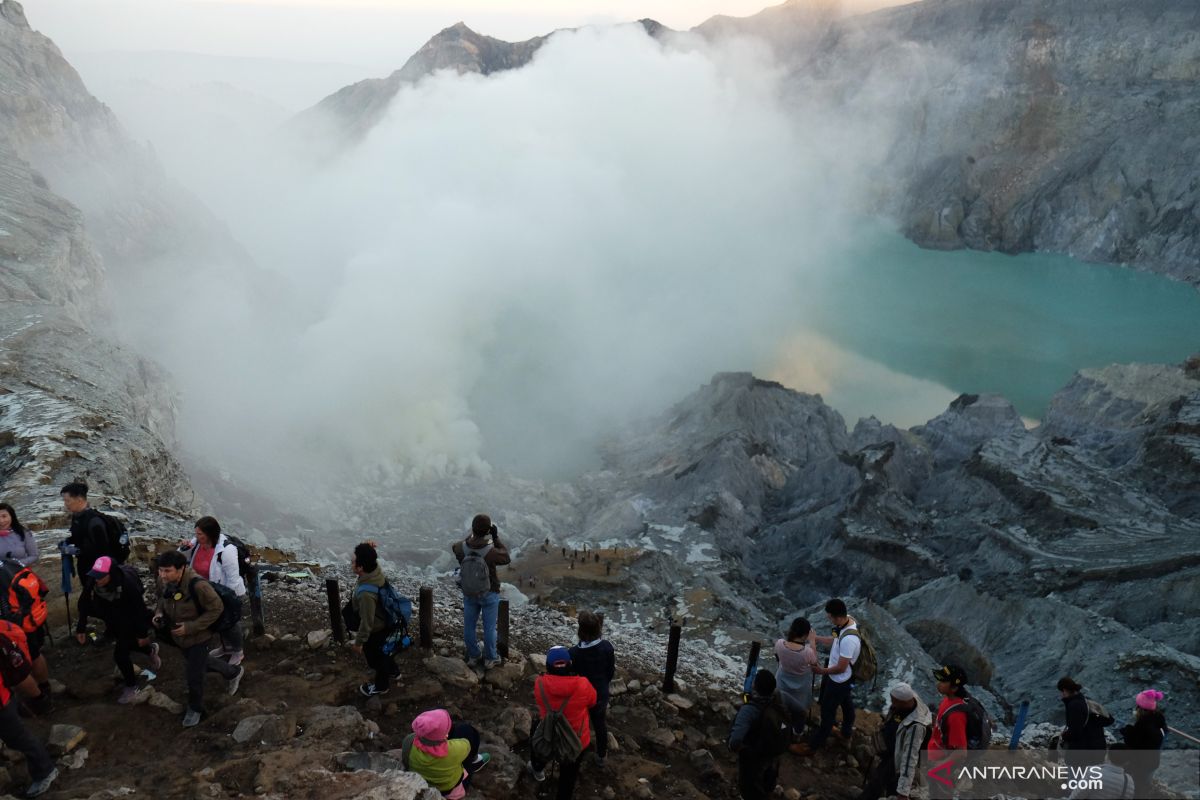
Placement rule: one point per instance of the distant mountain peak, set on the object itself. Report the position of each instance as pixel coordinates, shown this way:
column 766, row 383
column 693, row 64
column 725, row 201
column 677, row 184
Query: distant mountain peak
column 12, row 11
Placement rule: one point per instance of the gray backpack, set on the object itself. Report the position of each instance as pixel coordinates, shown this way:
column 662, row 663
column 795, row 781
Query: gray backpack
column 554, row 739
column 473, row 575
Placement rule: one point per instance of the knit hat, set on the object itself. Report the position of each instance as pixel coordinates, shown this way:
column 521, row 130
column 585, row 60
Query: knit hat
column 902, row 691
column 1149, row 699
column 101, row 567
column 481, row 525
column 432, row 728
column 558, row 657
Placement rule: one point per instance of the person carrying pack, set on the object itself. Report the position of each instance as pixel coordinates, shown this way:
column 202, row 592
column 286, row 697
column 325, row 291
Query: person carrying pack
column 93, row 533
column 23, row 603
column 444, row 753
column 478, row 556
column 761, row 733
column 1083, row 738
column 563, row 732
column 369, row 607
column 837, row 685
column 187, row 609
column 215, row 557
column 115, row 595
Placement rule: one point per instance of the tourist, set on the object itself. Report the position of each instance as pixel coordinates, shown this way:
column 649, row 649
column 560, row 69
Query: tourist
column 478, row 556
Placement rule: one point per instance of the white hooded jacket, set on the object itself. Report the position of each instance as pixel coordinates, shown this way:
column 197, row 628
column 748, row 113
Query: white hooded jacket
column 224, row 567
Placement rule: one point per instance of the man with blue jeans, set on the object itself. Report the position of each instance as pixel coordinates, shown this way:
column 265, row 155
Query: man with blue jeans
column 836, row 685
column 478, row 556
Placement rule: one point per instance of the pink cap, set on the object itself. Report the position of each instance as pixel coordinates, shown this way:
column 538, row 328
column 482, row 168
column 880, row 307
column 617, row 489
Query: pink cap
column 101, row 568
column 1149, row 699
column 432, row 728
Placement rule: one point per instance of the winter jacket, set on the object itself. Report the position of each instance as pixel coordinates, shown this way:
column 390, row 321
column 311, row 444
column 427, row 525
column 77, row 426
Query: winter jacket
column 955, row 737
column 906, row 753
column 120, row 604
column 496, row 557
column 579, row 696
column 596, row 661
column 442, row 773
column 223, row 569
column 1146, row 733
column 1084, row 732
column 19, row 546
column 743, row 735
column 15, row 664
column 90, row 535
column 367, row 606
column 177, row 603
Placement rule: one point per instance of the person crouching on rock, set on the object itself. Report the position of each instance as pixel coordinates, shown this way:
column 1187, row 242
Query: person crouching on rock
column 761, row 733
column 372, row 632
column 188, row 607
column 114, row 594
column 559, row 692
column 445, row 754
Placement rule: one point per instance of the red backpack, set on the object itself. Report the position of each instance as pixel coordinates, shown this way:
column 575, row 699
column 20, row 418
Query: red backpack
column 22, row 596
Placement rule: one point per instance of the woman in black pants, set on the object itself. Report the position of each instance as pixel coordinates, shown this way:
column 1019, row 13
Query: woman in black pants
column 594, row 658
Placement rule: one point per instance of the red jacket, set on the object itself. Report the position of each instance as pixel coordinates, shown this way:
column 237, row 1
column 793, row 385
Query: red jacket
column 15, row 665
column 579, row 695
column 956, row 730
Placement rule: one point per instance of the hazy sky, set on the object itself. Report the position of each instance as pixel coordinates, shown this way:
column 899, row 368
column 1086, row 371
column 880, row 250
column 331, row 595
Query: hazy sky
column 379, row 34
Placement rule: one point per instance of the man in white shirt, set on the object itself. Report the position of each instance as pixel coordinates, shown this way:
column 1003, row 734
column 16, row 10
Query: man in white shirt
column 836, row 686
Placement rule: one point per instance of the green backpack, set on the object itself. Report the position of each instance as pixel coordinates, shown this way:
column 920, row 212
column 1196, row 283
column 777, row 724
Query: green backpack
column 866, row 666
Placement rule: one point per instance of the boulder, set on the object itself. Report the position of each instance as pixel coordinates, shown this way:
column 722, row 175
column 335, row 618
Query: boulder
column 703, row 762
column 338, row 726
column 64, row 739
column 514, row 723
column 270, row 729
column 506, row 675
column 375, row 762
column 318, row 639
column 451, row 672
column 663, row 737
column 617, row 688
column 680, row 702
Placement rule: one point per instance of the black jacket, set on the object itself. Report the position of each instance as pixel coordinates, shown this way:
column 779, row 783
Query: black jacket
column 1146, row 733
column 90, row 535
column 120, row 604
column 1084, row 732
column 598, row 664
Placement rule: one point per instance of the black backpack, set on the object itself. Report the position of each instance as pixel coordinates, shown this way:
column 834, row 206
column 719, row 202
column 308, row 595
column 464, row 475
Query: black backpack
column 773, row 732
column 231, row 606
column 118, row 538
column 243, row 554
column 979, row 723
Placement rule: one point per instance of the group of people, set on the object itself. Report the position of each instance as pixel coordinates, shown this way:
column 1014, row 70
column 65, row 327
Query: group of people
column 777, row 710
column 197, row 603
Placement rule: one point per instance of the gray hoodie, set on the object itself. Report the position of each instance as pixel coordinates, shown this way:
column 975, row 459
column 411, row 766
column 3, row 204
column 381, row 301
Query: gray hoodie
column 910, row 736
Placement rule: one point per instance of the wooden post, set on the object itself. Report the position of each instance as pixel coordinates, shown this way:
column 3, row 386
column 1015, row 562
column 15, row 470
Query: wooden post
column 426, row 615
column 502, row 629
column 256, row 608
column 751, row 670
column 335, row 609
column 672, row 658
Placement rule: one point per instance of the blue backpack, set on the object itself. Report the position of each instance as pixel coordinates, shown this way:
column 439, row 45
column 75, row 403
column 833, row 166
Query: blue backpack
column 397, row 612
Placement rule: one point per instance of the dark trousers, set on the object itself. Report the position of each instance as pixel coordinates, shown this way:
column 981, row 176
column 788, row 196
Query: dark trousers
column 568, row 771
column 465, row 730
column 199, row 663
column 16, row 736
column 383, row 664
column 127, row 644
column 598, row 714
column 756, row 775
column 832, row 697
column 881, row 780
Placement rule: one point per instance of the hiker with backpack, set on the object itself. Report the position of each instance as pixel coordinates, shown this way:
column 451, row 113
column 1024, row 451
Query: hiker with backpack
column 23, row 603
column 797, row 655
column 16, row 676
column 1143, row 740
column 563, row 731
column 444, row 753
column 1083, row 738
column 761, row 733
column 845, row 646
column 115, row 595
column 594, row 658
column 93, row 533
column 16, row 543
column 898, row 745
column 189, row 610
column 382, row 617
column 221, row 560
column 478, row 556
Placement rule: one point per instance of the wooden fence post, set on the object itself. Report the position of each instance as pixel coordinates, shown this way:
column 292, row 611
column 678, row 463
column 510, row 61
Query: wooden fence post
column 502, row 629
column 256, row 606
column 672, row 658
column 426, row 615
column 335, row 609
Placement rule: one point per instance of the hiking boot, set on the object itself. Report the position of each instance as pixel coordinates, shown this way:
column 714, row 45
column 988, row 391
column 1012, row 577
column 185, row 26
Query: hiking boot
column 155, row 658
column 370, row 690
column 38, row 788
column 236, row 657
column 801, row 749
column 191, row 719
column 492, row 663
column 538, row 775
column 236, row 680
column 128, row 695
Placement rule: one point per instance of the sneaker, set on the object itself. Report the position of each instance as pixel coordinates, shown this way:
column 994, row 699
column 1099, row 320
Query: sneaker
column 128, row 695
column 492, row 663
column 191, row 719
column 538, row 775
column 41, row 787
column 479, row 763
column 218, row 652
column 155, row 659
column 369, row 690
column 236, row 657
column 236, row 680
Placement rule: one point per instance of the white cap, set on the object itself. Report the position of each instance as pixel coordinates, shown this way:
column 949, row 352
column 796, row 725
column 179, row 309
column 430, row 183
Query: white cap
column 902, row 691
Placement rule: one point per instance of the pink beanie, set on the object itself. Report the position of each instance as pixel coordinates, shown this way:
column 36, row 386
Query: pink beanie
column 1149, row 699
column 432, row 728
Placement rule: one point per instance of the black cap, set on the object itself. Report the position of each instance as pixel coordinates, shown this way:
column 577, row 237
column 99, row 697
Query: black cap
column 951, row 674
